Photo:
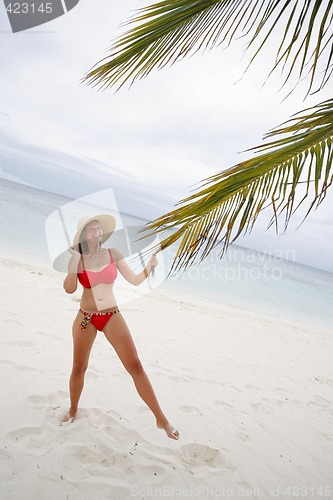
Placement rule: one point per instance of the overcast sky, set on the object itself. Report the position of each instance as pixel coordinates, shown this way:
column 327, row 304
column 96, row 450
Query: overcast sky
column 151, row 143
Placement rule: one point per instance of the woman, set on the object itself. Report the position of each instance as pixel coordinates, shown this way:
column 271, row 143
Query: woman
column 96, row 268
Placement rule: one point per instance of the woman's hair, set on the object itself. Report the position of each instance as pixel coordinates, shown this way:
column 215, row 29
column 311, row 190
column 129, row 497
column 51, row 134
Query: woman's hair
column 83, row 245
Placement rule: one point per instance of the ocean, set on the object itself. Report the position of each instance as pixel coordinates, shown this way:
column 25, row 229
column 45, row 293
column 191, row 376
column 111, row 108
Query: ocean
column 31, row 231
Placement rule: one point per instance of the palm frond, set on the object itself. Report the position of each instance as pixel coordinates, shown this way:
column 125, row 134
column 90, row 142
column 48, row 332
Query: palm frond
column 169, row 30
column 228, row 203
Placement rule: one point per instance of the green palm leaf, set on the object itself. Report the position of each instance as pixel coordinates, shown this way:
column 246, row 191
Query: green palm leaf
column 171, row 29
column 299, row 158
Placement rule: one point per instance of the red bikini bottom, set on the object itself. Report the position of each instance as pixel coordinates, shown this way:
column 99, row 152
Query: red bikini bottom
column 97, row 319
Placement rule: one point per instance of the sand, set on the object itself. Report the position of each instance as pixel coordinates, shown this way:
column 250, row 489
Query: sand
column 251, row 396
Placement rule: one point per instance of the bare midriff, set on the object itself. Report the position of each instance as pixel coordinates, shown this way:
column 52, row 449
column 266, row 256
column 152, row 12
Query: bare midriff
column 100, row 298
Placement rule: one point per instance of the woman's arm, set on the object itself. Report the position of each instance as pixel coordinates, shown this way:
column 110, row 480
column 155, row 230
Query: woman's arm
column 70, row 282
column 128, row 273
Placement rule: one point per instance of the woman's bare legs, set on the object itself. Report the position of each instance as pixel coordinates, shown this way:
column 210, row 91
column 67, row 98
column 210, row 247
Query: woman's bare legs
column 118, row 334
column 82, row 344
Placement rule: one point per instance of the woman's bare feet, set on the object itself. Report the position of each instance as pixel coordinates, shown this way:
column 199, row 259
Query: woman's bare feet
column 171, row 432
column 69, row 417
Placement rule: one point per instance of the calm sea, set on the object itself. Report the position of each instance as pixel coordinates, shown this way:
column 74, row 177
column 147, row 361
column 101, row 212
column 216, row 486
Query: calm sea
column 243, row 278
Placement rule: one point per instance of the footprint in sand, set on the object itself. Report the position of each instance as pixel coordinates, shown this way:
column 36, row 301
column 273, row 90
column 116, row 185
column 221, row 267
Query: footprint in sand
column 119, row 432
column 12, row 321
column 223, row 403
column 243, row 436
column 262, row 407
column 19, row 368
column 45, row 401
column 94, row 461
column 252, row 387
column 320, row 404
column 327, row 436
column 176, row 378
column 190, row 409
column 27, row 438
column 199, row 456
column 324, row 380
column 20, row 343
column 48, row 336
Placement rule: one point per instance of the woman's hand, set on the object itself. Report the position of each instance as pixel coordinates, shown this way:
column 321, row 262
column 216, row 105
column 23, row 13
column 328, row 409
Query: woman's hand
column 70, row 282
column 152, row 263
column 76, row 254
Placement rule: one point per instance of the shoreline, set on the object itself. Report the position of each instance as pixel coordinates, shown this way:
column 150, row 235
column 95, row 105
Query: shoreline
column 182, row 294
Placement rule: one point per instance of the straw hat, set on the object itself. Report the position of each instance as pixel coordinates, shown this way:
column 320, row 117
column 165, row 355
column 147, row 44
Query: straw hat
column 107, row 222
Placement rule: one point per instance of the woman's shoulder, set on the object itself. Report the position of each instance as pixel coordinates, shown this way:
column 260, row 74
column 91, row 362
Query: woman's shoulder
column 116, row 254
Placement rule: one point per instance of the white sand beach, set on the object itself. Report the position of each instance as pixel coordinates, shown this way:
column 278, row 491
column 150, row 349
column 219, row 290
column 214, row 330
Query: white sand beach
column 251, row 395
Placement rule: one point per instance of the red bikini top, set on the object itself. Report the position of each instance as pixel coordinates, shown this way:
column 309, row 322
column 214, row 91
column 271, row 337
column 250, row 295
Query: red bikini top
column 89, row 279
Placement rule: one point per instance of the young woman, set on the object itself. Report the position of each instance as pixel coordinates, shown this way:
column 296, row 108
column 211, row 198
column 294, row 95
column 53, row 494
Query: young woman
column 96, row 269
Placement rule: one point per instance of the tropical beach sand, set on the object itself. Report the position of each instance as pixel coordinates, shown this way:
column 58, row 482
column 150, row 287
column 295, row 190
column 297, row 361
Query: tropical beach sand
column 250, row 394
